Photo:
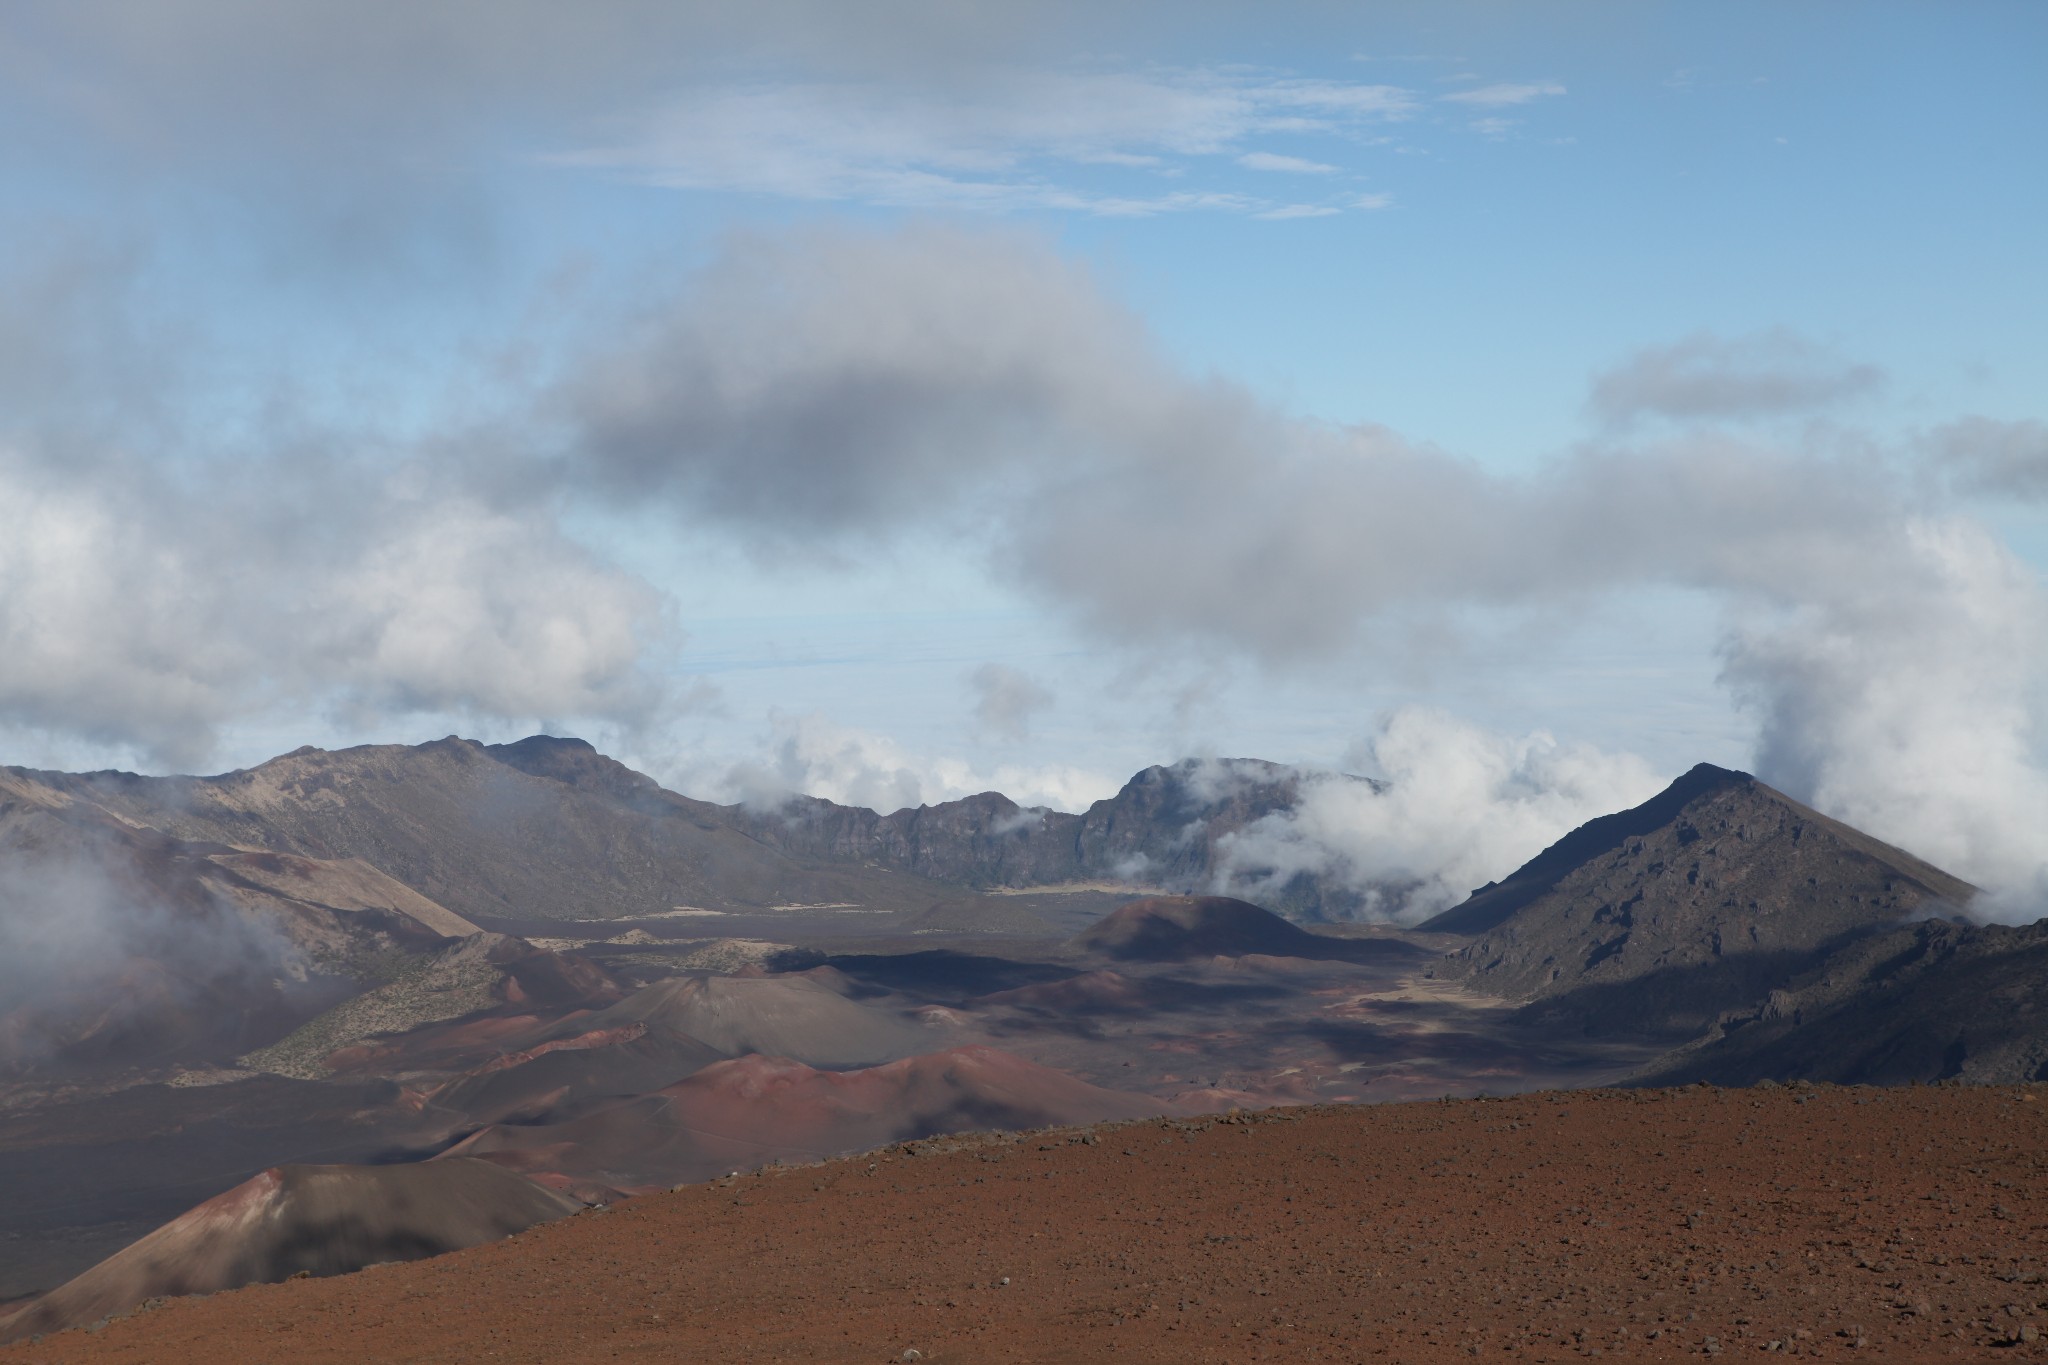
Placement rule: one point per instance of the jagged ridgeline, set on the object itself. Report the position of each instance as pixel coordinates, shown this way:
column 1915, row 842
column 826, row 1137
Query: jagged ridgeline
column 551, row 829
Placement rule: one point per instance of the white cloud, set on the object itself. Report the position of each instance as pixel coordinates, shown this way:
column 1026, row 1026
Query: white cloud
column 1002, row 144
column 108, row 629
column 1506, row 95
column 812, row 755
column 1908, row 695
column 458, row 608
column 1287, row 211
column 1460, row 807
column 1270, row 161
column 140, row 613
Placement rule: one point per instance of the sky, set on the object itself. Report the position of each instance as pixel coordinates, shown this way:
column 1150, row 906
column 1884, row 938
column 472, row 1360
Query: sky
column 893, row 401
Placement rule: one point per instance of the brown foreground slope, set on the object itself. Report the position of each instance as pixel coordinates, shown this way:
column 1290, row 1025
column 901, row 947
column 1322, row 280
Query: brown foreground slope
column 1836, row 1223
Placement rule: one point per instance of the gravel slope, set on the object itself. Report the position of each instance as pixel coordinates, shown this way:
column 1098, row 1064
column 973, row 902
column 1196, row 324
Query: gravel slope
column 1647, row 1225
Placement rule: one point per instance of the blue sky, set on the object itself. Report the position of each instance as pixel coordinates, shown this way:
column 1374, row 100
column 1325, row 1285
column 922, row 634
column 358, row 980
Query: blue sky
column 896, row 400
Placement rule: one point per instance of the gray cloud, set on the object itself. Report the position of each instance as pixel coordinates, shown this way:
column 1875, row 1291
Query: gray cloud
column 1984, row 455
column 834, row 380
column 358, row 153
column 1709, row 377
column 1006, row 699
column 841, row 384
column 390, row 73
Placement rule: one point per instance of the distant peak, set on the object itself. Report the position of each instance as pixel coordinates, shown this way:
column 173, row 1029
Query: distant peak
column 1706, row 774
column 532, row 742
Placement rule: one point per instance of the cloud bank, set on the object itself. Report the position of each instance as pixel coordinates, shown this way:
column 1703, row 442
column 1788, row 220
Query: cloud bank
column 837, row 387
column 843, row 384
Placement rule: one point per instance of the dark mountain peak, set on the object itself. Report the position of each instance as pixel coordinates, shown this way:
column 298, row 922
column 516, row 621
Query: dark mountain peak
column 1705, row 896
column 574, row 762
column 1206, row 782
column 1494, row 902
column 543, row 744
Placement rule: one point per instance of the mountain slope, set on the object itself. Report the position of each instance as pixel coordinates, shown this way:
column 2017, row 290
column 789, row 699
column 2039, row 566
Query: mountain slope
column 541, row 829
column 1924, row 1002
column 128, row 946
column 548, row 828
column 290, row 1220
column 1702, row 899
column 791, row 1016
column 741, row 1114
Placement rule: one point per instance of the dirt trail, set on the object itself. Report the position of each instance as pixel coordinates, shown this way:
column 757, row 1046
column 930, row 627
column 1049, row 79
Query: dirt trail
column 1846, row 1224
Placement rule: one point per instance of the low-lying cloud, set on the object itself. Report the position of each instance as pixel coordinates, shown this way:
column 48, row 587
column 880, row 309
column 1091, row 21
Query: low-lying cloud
column 90, row 959
column 814, row 756
column 1456, row 806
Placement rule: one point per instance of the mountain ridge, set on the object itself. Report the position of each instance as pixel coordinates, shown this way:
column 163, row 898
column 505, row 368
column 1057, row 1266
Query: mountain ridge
column 497, row 831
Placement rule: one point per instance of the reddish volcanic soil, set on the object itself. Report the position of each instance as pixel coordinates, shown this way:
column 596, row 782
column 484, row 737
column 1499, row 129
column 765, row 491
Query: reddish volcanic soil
column 1840, row 1223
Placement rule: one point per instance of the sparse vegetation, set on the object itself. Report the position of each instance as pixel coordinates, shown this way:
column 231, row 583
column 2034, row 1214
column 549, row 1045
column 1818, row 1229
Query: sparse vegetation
column 445, row 986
